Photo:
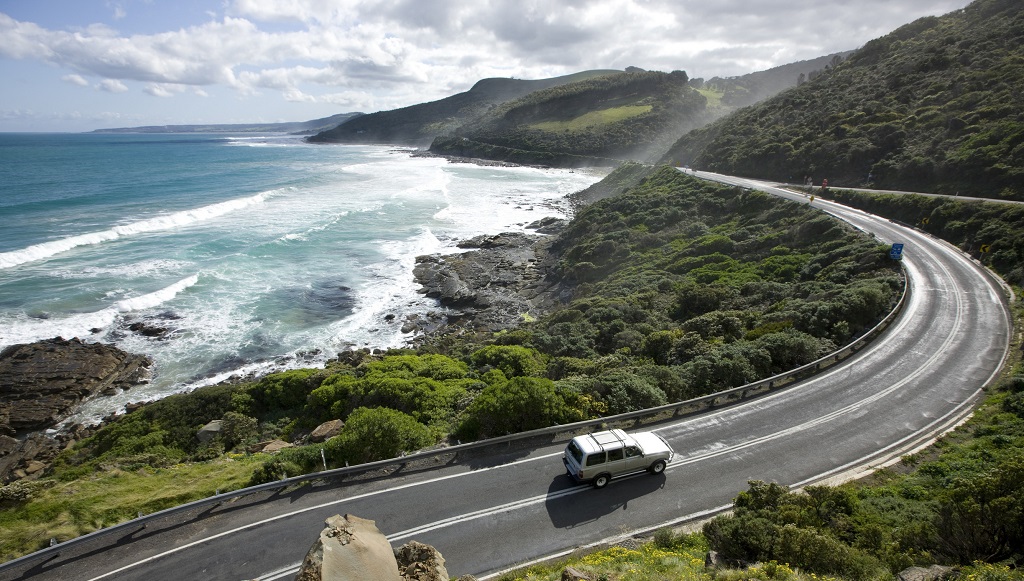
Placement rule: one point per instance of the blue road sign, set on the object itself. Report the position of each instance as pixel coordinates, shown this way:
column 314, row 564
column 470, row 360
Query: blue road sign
column 896, row 252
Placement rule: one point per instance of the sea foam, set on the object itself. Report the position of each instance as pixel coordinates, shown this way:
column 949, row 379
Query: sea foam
column 24, row 329
column 168, row 222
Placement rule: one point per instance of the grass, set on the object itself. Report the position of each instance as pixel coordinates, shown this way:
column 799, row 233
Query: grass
column 667, row 557
column 593, row 119
column 64, row 510
column 714, row 100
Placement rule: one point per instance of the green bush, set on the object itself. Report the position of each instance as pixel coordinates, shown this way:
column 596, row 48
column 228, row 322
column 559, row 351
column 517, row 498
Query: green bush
column 376, row 434
column 512, row 360
column 521, row 404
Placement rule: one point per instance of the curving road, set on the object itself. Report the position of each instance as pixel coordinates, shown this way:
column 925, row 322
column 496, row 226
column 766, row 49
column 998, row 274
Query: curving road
column 918, row 379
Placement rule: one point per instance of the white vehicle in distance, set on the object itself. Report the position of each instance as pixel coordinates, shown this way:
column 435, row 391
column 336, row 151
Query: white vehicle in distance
column 600, row 456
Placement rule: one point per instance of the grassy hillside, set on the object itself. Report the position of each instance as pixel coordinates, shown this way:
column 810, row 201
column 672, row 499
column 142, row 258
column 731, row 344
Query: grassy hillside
column 933, row 106
column 634, row 115
column 417, row 125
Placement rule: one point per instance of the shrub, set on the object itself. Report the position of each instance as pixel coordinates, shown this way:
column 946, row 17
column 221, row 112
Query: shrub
column 512, row 360
column 523, row 403
column 376, row 434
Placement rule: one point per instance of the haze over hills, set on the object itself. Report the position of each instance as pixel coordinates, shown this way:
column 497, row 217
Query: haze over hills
column 560, row 140
column 934, row 106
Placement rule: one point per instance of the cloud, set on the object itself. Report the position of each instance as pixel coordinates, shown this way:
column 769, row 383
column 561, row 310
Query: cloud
column 112, row 86
column 75, row 80
column 392, row 53
column 163, row 89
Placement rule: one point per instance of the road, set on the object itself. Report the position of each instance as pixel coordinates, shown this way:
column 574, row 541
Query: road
column 918, row 379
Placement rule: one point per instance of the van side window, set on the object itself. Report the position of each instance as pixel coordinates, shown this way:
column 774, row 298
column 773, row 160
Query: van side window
column 595, row 458
column 614, row 454
column 633, row 452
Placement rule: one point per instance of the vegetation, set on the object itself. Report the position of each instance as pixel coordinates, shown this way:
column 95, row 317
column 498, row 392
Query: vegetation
column 929, row 107
column 991, row 232
column 602, row 120
column 417, row 125
column 679, row 288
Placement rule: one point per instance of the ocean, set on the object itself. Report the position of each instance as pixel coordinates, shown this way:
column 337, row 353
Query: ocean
column 253, row 253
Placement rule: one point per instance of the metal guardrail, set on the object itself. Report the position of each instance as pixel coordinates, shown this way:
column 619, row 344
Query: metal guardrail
column 532, row 438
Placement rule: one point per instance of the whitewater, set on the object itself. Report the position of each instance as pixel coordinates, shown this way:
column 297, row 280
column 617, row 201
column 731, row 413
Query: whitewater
column 249, row 253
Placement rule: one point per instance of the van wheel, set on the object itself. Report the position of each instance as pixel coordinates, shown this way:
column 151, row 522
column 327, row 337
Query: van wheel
column 657, row 468
column 601, row 480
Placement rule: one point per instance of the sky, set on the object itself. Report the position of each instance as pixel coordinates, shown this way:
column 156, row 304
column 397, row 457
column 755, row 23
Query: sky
column 79, row 65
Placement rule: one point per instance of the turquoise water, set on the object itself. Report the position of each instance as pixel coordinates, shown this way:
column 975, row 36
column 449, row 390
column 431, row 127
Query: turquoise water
column 256, row 253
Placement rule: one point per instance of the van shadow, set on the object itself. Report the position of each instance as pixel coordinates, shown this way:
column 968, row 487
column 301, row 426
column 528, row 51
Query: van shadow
column 570, row 504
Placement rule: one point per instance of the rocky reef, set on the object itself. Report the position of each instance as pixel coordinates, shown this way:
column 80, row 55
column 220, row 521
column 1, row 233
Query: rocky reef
column 41, row 384
column 498, row 282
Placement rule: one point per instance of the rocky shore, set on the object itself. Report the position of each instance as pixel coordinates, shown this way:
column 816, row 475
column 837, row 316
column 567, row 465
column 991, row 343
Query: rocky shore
column 42, row 383
column 500, row 281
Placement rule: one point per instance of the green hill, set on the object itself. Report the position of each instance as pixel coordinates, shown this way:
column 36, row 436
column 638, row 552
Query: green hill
column 604, row 120
column 418, row 125
column 933, row 106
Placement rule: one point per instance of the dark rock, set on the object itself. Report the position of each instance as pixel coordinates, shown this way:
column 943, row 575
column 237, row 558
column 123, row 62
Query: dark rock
column 28, row 456
column 548, row 225
column 492, row 288
column 420, row 562
column 147, row 330
column 42, row 382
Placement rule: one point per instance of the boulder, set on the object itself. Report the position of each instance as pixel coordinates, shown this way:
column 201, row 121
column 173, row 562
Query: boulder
column 42, row 382
column 573, row 574
column 933, row 573
column 420, row 562
column 326, row 430
column 349, row 549
column 274, row 446
column 210, row 431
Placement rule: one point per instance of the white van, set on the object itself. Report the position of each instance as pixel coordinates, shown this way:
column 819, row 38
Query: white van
column 600, row 456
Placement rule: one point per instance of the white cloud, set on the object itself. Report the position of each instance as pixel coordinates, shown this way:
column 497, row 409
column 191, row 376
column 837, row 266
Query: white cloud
column 391, row 53
column 163, row 89
column 112, row 86
column 75, row 80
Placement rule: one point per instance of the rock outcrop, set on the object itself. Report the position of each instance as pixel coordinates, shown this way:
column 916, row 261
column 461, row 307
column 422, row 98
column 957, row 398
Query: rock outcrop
column 42, row 382
column 493, row 286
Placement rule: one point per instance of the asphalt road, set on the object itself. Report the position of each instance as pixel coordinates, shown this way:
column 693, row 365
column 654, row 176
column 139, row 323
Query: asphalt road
column 918, row 379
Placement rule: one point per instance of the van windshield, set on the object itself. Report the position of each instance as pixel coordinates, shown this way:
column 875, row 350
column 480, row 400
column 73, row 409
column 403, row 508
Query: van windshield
column 575, row 452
